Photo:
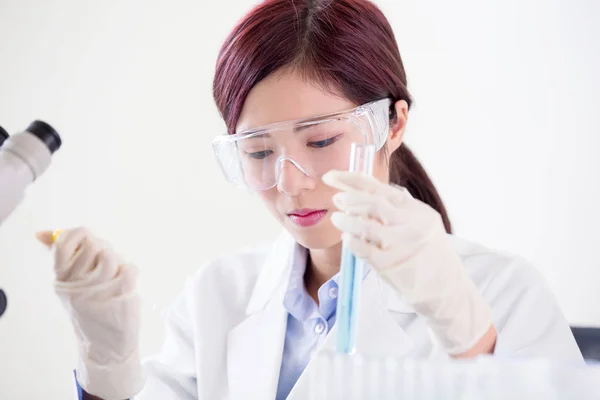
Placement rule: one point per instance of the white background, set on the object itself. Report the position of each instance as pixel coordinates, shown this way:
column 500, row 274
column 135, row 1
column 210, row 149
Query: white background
column 506, row 93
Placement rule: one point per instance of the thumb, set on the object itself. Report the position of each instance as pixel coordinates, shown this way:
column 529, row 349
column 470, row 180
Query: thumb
column 46, row 238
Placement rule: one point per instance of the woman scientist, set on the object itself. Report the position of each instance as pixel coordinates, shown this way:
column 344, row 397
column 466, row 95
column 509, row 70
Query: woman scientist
column 298, row 81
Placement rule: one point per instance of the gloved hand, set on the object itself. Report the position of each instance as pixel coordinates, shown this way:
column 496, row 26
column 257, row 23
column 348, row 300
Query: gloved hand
column 405, row 241
column 98, row 290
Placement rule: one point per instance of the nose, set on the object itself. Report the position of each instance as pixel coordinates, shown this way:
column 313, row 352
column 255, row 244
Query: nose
column 293, row 179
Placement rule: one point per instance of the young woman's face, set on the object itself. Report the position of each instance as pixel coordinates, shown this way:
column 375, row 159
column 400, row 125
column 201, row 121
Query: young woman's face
column 301, row 203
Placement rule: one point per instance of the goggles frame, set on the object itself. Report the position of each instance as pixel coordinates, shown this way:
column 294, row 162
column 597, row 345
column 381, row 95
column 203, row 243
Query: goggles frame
column 377, row 115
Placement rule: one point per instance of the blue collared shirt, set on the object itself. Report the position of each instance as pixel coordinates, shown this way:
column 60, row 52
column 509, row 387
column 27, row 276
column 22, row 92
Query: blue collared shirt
column 307, row 323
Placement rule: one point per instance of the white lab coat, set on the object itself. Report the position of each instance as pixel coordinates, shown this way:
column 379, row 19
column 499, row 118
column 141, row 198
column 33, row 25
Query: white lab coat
column 225, row 332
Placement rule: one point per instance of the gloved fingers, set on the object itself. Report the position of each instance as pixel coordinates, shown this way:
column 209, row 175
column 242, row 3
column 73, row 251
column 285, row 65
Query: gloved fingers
column 386, row 246
column 359, row 247
column 108, row 261
column 102, row 274
column 83, row 262
column 66, row 247
column 109, row 265
column 366, row 229
column 128, row 273
column 368, row 251
column 77, row 253
column 353, row 181
column 345, row 181
column 356, row 225
column 102, row 262
column 369, row 206
column 83, row 295
column 412, row 215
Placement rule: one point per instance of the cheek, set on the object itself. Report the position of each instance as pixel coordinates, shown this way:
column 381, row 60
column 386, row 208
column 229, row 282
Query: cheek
column 269, row 198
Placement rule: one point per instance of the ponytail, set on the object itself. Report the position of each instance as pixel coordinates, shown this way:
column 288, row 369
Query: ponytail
column 407, row 171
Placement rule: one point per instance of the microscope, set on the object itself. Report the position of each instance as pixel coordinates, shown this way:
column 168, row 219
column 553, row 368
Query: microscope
column 24, row 157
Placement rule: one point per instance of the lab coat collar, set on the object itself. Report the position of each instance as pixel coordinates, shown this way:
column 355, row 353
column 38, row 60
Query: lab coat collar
column 255, row 346
column 255, row 350
column 274, row 274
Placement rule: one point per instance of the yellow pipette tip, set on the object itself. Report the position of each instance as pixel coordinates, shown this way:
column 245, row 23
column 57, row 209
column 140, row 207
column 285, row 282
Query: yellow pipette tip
column 55, row 234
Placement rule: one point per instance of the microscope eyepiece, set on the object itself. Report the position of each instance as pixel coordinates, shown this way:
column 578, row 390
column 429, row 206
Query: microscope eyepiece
column 3, row 302
column 3, row 135
column 46, row 134
column 24, row 157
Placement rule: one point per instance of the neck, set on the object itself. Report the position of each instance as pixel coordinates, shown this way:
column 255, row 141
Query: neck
column 322, row 265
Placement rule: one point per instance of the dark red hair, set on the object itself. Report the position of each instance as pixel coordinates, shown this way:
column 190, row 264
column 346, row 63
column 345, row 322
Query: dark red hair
column 344, row 45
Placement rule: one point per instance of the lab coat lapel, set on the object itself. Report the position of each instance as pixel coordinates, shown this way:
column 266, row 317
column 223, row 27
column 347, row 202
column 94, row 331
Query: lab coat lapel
column 379, row 334
column 255, row 346
column 254, row 354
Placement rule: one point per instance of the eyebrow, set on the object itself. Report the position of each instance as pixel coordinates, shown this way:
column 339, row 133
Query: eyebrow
column 295, row 130
column 303, row 127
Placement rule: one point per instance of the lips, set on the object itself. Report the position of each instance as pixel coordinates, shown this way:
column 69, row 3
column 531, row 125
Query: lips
column 306, row 217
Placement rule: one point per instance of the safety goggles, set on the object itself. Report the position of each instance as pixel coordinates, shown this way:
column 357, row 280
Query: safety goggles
column 255, row 158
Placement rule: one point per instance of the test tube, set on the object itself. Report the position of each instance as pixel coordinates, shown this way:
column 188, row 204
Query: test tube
column 352, row 269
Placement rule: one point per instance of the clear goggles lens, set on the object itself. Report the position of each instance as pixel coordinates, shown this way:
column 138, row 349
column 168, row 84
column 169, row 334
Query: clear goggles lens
column 255, row 159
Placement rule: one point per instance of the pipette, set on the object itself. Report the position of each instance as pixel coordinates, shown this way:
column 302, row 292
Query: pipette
column 352, row 269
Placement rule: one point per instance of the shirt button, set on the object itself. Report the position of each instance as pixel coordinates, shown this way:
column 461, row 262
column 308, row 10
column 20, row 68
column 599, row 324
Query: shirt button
column 319, row 328
column 333, row 292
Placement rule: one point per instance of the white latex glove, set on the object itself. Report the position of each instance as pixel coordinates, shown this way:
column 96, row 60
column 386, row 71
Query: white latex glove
column 98, row 290
column 405, row 241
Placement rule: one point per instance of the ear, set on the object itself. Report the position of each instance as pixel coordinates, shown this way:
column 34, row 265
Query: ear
column 397, row 127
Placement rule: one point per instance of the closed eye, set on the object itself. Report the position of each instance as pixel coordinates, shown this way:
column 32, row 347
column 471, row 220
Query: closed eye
column 260, row 155
column 323, row 143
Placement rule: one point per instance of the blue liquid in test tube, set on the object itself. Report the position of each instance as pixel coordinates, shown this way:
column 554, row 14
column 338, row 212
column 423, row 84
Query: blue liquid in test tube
column 352, row 269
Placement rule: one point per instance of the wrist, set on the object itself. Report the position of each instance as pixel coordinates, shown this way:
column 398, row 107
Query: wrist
column 111, row 381
column 462, row 325
column 485, row 345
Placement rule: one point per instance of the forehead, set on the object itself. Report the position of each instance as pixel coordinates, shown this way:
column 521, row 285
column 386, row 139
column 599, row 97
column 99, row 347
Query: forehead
column 285, row 96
